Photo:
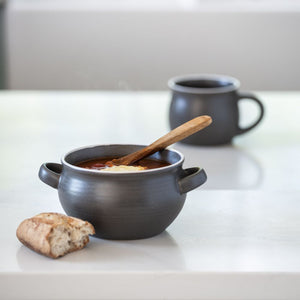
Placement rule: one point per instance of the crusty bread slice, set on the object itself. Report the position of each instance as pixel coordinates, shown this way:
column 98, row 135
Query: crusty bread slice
column 54, row 234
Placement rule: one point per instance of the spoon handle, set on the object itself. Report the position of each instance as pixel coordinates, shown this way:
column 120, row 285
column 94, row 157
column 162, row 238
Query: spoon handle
column 175, row 135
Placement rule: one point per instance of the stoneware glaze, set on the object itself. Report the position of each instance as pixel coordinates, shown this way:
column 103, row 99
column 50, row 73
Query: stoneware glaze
column 122, row 205
column 213, row 95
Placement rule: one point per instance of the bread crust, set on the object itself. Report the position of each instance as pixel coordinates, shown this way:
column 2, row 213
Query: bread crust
column 36, row 232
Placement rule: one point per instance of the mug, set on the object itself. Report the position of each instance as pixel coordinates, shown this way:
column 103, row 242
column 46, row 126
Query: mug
column 213, row 95
column 122, row 205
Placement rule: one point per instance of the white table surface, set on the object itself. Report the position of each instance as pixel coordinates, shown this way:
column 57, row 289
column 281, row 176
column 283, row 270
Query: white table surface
column 237, row 237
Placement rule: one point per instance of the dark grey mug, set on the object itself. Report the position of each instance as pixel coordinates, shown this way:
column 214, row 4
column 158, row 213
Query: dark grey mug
column 213, row 95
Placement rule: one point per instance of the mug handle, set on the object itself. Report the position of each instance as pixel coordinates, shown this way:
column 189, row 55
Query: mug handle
column 192, row 178
column 243, row 95
column 49, row 173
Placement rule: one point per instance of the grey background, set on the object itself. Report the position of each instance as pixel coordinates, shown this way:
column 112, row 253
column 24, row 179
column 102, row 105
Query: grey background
column 2, row 46
column 71, row 45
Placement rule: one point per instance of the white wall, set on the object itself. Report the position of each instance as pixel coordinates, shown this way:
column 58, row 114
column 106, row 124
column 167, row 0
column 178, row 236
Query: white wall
column 71, row 45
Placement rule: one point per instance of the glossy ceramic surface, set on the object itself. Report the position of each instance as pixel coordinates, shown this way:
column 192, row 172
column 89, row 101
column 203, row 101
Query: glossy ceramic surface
column 122, row 205
column 213, row 95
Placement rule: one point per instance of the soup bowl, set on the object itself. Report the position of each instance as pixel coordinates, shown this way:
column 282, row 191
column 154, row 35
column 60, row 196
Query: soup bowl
column 122, row 205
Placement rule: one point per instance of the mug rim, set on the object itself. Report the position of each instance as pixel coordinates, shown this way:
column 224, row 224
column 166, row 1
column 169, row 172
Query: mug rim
column 174, row 83
column 98, row 172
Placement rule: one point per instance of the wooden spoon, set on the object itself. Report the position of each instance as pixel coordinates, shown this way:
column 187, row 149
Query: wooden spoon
column 170, row 138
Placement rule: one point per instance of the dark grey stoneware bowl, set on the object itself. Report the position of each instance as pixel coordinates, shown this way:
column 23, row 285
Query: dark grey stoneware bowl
column 122, row 205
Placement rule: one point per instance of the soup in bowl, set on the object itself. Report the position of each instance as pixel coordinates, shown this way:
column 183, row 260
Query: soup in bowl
column 122, row 204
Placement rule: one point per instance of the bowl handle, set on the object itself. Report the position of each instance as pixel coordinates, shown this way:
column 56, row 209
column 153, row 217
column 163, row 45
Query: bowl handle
column 192, row 178
column 49, row 173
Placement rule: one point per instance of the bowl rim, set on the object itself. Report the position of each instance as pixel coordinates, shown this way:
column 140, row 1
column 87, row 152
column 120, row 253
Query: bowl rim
column 99, row 172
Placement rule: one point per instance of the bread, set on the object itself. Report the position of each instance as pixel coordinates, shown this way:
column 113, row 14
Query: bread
column 123, row 168
column 54, row 234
